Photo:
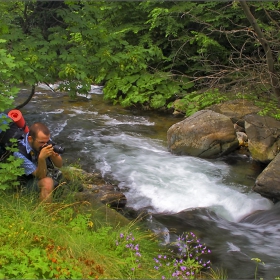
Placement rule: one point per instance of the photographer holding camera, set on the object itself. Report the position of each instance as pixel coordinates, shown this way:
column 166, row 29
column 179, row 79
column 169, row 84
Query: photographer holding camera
column 40, row 158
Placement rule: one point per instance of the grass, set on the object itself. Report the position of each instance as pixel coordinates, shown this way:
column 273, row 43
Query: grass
column 70, row 239
column 59, row 241
column 56, row 241
column 218, row 273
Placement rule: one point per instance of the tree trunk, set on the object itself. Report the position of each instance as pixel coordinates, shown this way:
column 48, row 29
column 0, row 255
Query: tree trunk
column 269, row 57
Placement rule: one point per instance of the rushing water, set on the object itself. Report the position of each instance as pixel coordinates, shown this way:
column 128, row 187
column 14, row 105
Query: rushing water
column 210, row 197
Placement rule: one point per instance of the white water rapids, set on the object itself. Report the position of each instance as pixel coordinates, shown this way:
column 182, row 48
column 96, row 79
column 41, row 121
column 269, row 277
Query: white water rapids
column 155, row 177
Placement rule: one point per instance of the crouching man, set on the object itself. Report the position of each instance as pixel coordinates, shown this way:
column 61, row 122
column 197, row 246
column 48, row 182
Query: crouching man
column 39, row 161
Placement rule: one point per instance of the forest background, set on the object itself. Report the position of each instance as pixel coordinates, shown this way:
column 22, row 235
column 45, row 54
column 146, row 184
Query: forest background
column 145, row 53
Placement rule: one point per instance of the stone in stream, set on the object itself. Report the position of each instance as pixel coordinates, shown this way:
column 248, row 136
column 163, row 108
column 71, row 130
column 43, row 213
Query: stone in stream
column 205, row 134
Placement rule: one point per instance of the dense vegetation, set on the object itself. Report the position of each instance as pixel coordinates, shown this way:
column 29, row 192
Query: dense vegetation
column 145, row 54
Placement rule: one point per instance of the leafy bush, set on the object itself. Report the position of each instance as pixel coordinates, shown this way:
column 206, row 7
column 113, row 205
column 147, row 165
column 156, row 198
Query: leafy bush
column 9, row 169
column 196, row 101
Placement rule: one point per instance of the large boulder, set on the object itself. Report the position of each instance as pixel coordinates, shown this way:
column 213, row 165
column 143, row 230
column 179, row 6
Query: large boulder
column 263, row 137
column 205, row 134
column 268, row 182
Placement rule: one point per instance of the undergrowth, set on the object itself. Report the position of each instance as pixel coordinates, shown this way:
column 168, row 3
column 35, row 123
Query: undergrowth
column 59, row 241
column 195, row 101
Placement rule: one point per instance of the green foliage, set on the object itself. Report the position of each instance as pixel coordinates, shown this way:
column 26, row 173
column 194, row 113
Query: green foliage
column 141, row 62
column 196, row 101
column 269, row 106
column 10, row 169
column 143, row 88
column 102, row 45
column 7, row 68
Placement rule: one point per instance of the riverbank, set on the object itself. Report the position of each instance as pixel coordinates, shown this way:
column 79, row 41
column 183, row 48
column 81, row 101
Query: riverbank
column 72, row 240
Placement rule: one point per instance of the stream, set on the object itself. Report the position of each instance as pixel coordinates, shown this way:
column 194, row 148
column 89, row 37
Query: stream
column 212, row 198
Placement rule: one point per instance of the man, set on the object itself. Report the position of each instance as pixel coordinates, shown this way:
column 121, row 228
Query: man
column 37, row 155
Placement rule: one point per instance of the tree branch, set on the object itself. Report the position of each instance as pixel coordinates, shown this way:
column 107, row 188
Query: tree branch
column 28, row 99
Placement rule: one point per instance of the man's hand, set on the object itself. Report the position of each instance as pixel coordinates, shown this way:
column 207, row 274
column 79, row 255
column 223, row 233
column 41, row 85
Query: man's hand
column 46, row 152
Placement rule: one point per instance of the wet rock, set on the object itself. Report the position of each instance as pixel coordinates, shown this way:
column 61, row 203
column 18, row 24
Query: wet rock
column 268, row 182
column 95, row 187
column 205, row 134
column 242, row 138
column 108, row 194
column 238, row 128
column 263, row 137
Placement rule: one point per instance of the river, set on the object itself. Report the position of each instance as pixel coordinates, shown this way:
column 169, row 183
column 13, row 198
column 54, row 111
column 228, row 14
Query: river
column 181, row 193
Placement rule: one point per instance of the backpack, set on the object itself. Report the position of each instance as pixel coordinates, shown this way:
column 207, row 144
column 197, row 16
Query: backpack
column 13, row 131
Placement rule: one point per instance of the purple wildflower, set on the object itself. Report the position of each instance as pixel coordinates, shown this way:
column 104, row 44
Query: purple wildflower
column 183, row 268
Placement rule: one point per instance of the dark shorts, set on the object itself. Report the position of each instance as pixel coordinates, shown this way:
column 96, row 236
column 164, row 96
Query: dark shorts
column 30, row 183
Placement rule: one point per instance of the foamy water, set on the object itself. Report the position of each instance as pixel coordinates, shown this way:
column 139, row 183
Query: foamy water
column 160, row 180
column 171, row 183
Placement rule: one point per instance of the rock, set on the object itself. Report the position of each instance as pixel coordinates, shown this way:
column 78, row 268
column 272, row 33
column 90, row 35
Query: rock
column 242, row 138
column 94, row 187
column 238, row 128
column 205, row 134
column 268, row 182
column 263, row 137
column 236, row 110
column 100, row 212
column 108, row 194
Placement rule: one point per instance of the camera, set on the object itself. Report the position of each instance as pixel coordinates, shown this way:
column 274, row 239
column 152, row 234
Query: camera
column 56, row 148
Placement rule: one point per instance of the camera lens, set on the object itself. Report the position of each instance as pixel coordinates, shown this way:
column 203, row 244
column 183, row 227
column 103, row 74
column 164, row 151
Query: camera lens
column 58, row 149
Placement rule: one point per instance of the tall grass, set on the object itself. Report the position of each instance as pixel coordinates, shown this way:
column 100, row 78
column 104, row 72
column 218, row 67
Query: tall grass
column 61, row 240
column 56, row 241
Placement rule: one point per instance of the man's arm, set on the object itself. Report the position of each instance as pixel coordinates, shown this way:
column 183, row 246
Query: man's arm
column 56, row 159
